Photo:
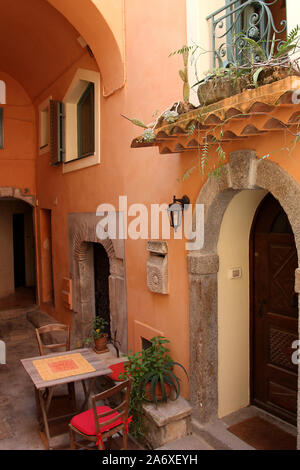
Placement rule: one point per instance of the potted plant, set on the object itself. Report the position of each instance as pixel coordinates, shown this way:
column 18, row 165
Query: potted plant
column 99, row 334
column 152, row 377
column 160, row 380
column 264, row 62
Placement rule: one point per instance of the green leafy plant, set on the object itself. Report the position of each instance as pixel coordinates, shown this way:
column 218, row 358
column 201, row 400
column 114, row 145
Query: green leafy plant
column 184, row 75
column 135, row 370
column 99, row 327
column 161, row 372
column 154, row 366
column 98, row 330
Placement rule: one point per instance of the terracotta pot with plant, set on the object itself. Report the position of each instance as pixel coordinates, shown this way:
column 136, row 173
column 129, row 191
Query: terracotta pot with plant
column 100, row 335
column 160, row 380
column 153, row 379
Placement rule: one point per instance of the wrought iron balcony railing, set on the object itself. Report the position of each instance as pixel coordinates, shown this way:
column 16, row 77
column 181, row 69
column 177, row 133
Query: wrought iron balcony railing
column 251, row 18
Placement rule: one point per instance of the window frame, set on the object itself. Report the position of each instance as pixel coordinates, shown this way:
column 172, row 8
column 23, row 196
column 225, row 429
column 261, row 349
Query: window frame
column 90, row 89
column 79, row 84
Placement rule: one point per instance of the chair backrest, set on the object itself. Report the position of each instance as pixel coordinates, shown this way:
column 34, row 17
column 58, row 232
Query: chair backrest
column 49, row 330
column 122, row 408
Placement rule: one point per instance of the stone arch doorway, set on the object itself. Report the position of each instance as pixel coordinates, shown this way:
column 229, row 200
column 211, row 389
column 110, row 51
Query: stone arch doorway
column 244, row 171
column 82, row 239
column 17, row 247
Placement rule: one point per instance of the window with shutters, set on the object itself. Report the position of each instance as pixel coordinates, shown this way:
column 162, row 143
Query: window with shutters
column 82, row 121
column 57, row 132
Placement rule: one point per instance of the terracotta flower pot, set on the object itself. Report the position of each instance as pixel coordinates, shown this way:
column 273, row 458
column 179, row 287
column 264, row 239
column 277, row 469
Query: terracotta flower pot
column 101, row 344
column 218, row 88
column 158, row 391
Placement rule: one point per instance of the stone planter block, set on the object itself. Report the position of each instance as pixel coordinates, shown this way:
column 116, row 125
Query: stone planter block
column 166, row 422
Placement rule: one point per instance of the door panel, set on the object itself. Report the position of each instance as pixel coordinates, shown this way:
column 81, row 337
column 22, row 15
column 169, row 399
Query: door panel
column 274, row 312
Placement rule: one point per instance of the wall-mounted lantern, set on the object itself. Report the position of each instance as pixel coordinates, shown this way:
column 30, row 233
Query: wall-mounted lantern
column 175, row 211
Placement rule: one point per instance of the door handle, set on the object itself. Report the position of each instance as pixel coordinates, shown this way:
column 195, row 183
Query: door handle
column 261, row 308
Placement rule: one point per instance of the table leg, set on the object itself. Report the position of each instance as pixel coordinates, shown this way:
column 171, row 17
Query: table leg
column 44, row 409
column 38, row 406
column 87, row 392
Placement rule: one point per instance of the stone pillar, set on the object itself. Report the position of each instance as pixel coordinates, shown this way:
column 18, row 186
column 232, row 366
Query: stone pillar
column 203, row 269
column 117, row 299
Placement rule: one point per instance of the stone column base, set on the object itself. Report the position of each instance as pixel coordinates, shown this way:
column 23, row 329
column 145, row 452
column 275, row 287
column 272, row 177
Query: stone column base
column 166, row 422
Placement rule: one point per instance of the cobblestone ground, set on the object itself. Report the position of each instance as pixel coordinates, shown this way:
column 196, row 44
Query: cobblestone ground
column 19, row 429
column 18, row 423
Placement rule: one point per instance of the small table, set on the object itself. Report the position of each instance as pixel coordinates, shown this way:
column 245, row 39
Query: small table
column 40, row 385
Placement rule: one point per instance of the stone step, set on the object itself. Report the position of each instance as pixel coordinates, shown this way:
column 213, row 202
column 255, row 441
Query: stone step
column 217, row 436
column 192, row 442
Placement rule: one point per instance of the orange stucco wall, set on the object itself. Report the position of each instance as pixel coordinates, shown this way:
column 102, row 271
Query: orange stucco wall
column 152, row 30
column 17, row 159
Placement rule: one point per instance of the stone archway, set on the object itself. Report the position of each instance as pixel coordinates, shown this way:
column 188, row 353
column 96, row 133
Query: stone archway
column 16, row 193
column 82, row 233
column 244, row 171
column 18, row 246
column 100, row 20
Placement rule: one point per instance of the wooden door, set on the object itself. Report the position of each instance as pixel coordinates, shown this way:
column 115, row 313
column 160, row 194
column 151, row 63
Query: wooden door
column 274, row 311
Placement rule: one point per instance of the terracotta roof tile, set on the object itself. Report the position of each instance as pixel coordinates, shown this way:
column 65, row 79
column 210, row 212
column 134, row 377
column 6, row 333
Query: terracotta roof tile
column 270, row 107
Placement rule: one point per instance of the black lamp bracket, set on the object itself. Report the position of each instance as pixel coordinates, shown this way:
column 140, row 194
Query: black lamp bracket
column 184, row 201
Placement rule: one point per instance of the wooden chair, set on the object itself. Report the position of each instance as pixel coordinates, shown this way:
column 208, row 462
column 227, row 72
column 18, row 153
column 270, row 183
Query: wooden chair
column 64, row 344
column 53, row 327
column 102, row 422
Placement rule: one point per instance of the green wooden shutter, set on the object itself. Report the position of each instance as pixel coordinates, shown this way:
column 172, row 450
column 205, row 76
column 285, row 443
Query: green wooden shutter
column 57, row 132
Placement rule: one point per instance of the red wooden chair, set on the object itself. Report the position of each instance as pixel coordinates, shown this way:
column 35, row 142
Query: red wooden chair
column 117, row 370
column 102, row 422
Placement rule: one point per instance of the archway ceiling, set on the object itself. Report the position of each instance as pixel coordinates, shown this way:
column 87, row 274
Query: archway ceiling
column 37, row 43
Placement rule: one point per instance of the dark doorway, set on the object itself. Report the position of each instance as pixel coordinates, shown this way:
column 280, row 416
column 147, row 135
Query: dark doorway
column 274, row 311
column 19, row 250
column 101, row 270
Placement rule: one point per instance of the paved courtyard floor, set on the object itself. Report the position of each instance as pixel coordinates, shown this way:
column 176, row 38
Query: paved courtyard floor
column 18, row 424
column 19, row 429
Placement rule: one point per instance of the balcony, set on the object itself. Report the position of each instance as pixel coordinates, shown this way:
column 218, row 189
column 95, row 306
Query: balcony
column 258, row 20
column 252, row 89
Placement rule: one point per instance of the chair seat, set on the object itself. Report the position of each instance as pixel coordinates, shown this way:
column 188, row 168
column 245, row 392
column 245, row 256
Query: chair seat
column 117, row 369
column 85, row 422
